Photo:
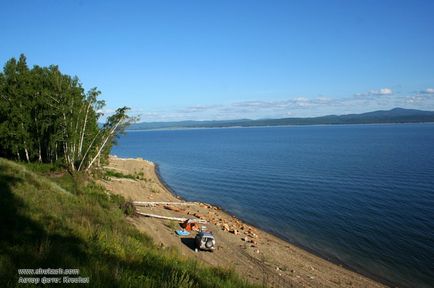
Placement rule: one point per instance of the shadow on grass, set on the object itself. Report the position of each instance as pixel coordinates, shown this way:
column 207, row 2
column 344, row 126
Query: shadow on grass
column 25, row 243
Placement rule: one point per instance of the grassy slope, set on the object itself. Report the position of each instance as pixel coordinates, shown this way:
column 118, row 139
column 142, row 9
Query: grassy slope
column 43, row 225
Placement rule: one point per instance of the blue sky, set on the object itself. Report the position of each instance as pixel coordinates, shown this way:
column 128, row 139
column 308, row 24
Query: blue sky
column 178, row 60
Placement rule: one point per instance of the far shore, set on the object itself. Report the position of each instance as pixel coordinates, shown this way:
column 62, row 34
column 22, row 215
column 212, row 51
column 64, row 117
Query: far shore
column 256, row 255
column 280, row 126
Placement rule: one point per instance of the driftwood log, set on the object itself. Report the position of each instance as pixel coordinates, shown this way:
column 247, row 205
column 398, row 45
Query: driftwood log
column 152, row 204
column 171, row 218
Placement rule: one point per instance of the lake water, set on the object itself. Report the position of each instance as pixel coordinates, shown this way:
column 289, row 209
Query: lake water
column 362, row 195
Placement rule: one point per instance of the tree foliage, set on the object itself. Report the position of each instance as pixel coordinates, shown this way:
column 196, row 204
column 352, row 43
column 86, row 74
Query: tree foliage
column 47, row 116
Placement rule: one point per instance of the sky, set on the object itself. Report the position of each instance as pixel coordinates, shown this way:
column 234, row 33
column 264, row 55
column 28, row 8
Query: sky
column 233, row 59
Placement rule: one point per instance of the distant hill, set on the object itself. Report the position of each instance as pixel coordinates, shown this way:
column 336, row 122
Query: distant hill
column 396, row 115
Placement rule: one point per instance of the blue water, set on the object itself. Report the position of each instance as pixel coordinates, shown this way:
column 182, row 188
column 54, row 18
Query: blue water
column 359, row 194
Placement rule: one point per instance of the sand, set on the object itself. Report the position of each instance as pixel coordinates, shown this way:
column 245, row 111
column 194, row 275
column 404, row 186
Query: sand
column 257, row 256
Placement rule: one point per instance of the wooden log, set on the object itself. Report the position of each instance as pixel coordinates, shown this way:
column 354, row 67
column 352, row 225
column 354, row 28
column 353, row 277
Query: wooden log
column 162, row 217
column 180, row 219
column 148, row 204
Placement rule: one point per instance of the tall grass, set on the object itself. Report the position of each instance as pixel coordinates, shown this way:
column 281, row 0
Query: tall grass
column 44, row 225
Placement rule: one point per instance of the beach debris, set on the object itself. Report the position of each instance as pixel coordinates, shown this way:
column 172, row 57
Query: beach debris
column 191, row 224
column 154, row 203
column 198, row 215
column 225, row 227
column 234, row 231
column 182, row 232
column 172, row 208
column 161, row 216
column 170, row 218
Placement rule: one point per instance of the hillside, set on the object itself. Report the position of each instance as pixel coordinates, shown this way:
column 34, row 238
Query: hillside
column 49, row 222
column 396, row 115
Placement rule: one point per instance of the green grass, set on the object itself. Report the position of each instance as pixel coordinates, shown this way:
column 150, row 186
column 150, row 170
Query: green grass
column 44, row 225
column 116, row 174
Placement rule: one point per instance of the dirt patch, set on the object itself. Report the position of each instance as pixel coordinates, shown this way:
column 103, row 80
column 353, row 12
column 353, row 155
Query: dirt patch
column 256, row 255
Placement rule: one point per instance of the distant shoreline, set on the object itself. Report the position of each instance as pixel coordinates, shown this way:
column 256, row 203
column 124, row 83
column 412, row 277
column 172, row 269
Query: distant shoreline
column 278, row 126
column 393, row 116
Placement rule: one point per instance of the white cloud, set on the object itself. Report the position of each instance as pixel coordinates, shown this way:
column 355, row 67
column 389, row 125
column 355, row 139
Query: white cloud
column 380, row 99
column 197, row 108
column 414, row 99
column 427, row 91
column 106, row 111
column 382, row 91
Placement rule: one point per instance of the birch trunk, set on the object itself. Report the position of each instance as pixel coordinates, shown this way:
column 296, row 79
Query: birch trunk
column 25, row 145
column 65, row 145
column 103, row 145
column 39, row 140
column 39, row 152
column 26, row 152
column 80, row 146
column 87, row 150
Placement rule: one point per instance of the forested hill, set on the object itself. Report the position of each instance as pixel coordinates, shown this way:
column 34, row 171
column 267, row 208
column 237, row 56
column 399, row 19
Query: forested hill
column 396, row 115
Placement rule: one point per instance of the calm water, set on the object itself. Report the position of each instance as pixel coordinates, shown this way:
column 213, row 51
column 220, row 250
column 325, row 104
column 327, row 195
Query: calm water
column 359, row 194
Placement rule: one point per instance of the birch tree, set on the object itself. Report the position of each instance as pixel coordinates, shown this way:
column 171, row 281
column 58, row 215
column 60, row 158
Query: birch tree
column 47, row 116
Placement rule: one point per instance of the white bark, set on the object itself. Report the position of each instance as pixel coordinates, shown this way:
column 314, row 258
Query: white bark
column 103, row 145
column 39, row 152
column 65, row 145
column 26, row 152
column 39, row 141
column 80, row 146
column 87, row 150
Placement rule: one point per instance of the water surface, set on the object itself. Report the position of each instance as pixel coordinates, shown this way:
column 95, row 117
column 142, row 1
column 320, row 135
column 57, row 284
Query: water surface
column 359, row 194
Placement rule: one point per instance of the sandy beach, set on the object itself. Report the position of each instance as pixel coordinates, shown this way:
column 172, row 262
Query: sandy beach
column 257, row 256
